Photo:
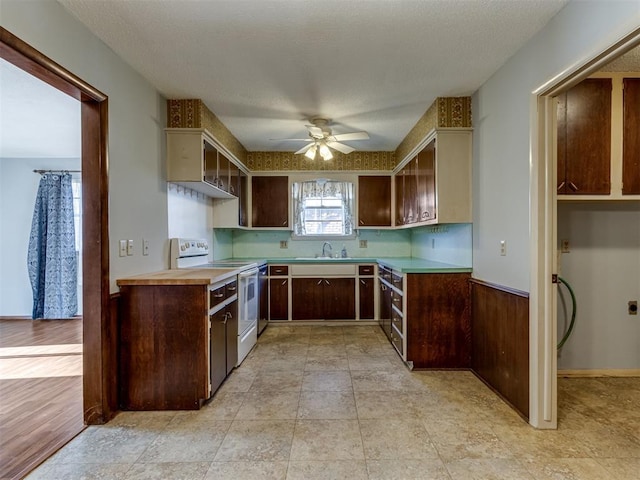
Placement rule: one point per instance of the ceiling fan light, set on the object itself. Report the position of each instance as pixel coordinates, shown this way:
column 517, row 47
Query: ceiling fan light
column 325, row 152
column 311, row 153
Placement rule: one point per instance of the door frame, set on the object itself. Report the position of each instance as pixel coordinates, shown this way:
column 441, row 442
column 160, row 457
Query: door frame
column 99, row 383
column 543, row 325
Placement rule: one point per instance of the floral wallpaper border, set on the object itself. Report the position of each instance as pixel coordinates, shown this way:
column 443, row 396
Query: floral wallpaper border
column 445, row 112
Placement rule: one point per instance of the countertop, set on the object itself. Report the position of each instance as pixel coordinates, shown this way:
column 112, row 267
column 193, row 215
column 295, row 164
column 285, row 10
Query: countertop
column 182, row 276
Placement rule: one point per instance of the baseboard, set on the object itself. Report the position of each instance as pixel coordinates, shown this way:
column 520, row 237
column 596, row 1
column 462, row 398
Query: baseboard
column 316, row 323
column 609, row 372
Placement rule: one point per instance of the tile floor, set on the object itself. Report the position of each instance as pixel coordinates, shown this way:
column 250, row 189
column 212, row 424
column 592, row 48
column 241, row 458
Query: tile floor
column 331, row 402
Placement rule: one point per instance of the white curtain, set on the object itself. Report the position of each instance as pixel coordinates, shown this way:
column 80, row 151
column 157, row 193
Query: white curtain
column 322, row 189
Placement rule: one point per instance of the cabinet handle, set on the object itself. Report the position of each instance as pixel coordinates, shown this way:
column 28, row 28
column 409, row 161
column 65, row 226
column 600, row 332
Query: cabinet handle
column 232, row 289
column 319, row 282
column 284, row 224
column 561, row 185
column 363, row 282
column 573, row 187
column 384, row 287
column 218, row 295
column 231, row 189
column 361, row 222
column 284, row 282
column 327, row 281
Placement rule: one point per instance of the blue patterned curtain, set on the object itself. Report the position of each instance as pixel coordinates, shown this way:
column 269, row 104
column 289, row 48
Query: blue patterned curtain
column 51, row 260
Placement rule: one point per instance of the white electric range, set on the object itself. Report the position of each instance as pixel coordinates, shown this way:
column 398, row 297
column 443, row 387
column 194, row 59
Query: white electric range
column 194, row 253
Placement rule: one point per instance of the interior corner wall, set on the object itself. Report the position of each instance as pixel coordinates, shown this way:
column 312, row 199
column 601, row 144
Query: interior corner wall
column 501, row 137
column 137, row 115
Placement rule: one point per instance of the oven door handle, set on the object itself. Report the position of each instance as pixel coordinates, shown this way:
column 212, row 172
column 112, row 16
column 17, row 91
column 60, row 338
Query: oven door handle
column 248, row 273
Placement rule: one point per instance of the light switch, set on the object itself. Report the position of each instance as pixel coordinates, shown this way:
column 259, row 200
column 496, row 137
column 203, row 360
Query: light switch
column 503, row 247
column 123, row 248
column 145, row 246
column 129, row 247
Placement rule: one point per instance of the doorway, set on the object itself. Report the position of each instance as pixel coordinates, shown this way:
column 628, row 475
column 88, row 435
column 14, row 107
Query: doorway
column 544, row 233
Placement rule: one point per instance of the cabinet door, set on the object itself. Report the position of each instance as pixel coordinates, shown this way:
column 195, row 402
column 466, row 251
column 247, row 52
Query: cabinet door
column 270, row 201
column 426, row 179
column 339, row 298
column 234, row 179
column 385, row 308
column 374, row 201
column 367, row 310
column 218, row 349
column 224, row 169
column 231, row 336
column 399, row 196
column 263, row 294
column 410, row 197
column 307, row 299
column 243, row 194
column 210, row 164
column 278, row 299
column 631, row 137
column 584, row 147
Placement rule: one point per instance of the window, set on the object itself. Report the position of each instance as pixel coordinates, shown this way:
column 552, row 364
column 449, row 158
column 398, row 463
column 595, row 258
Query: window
column 323, row 208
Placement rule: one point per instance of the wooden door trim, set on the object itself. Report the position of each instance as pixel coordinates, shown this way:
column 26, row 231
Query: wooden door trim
column 98, row 374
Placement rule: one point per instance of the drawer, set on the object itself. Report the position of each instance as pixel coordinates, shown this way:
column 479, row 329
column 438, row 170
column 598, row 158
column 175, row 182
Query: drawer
column 231, row 289
column 396, row 280
column 324, row 270
column 278, row 270
column 216, row 296
column 366, row 269
column 396, row 340
column 396, row 299
column 385, row 273
column 396, row 320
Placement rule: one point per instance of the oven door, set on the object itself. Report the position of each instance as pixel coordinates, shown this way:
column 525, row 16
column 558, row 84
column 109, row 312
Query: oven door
column 247, row 312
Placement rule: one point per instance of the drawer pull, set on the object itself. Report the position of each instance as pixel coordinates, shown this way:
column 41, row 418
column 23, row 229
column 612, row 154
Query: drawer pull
column 233, row 289
column 218, row 295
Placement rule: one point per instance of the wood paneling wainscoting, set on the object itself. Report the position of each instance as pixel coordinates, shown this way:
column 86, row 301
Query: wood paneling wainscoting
column 500, row 341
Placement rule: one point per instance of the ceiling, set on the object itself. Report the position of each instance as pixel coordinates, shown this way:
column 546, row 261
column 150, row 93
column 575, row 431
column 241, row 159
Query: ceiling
column 265, row 67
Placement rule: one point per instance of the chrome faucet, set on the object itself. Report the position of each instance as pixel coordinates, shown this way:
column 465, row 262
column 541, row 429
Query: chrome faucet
column 324, row 245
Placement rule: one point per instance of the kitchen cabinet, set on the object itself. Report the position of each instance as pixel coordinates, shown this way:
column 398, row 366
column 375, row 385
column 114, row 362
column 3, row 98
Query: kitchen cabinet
column 433, row 184
column 270, row 201
column 630, row 136
column 366, row 292
column 243, row 194
column 196, row 161
column 223, row 300
column 323, row 298
column 263, row 298
column 374, row 201
column 584, row 138
column 278, row 292
column 164, row 347
column 427, row 317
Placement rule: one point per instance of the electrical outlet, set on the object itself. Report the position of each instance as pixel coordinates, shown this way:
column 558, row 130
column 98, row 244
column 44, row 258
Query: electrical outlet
column 564, row 246
column 129, row 247
column 123, row 248
column 363, row 243
column 633, row 307
column 503, row 248
column 145, row 247
column 284, row 244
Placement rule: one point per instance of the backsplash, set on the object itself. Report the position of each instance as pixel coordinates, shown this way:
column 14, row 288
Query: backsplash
column 266, row 243
column 451, row 243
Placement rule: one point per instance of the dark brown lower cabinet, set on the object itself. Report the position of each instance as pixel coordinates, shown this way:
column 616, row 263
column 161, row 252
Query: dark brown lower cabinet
column 367, row 298
column 218, row 349
column 384, row 298
column 278, row 299
column 231, row 336
column 323, row 299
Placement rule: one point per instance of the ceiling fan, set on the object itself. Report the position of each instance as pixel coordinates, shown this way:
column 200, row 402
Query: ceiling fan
column 321, row 140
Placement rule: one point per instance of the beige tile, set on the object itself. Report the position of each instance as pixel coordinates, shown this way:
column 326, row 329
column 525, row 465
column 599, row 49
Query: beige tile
column 327, row 405
column 621, row 468
column 85, row 471
column 483, row 469
column 326, row 339
column 326, row 330
column 290, row 348
column 187, row 439
column 257, row 440
column 174, row 471
column 427, row 469
column 609, row 441
column 149, row 421
column 322, row 363
column 527, row 442
column 239, row 381
column 567, row 469
column 327, row 350
column 395, row 439
column 357, row 347
column 223, row 406
column 247, row 471
column 278, row 380
column 327, row 381
column 391, row 404
column 272, row 405
column 327, row 440
column 383, row 380
column 327, row 470
column 284, row 362
column 370, row 362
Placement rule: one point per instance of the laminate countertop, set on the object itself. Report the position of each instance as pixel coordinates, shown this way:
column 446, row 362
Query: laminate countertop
column 181, row 276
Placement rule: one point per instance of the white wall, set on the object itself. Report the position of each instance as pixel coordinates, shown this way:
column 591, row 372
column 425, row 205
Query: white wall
column 444, row 243
column 137, row 116
column 501, row 120
column 190, row 214
column 603, row 268
column 18, row 188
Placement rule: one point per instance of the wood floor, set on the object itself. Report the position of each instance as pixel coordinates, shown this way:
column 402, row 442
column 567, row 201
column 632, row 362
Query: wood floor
column 40, row 390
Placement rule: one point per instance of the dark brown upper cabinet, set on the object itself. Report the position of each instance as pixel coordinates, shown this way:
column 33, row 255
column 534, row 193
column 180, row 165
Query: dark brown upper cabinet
column 270, row 201
column 631, row 137
column 374, row 201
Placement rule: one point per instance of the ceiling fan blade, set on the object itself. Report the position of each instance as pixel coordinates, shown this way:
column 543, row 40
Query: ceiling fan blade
column 351, row 136
column 290, row 139
column 305, row 148
column 341, row 147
